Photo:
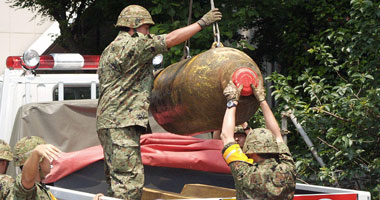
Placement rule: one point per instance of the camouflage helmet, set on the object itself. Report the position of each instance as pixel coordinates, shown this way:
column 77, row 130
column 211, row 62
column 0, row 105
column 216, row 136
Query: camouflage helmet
column 24, row 147
column 239, row 129
column 260, row 140
column 5, row 151
column 134, row 16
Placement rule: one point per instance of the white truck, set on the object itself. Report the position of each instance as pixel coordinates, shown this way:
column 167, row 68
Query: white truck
column 54, row 96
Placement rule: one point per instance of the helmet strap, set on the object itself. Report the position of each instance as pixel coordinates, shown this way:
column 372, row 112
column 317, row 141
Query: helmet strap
column 42, row 176
column 122, row 28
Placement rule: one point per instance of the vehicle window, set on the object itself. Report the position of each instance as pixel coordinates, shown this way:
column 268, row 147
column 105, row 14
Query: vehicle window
column 74, row 92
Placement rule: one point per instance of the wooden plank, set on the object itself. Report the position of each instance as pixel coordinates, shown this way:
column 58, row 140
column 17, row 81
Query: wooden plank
column 207, row 191
column 149, row 194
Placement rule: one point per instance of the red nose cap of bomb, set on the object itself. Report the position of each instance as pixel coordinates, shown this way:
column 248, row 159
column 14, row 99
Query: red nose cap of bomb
column 245, row 76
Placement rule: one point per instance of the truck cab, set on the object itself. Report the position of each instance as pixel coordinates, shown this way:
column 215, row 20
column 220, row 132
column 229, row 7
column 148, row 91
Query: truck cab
column 55, row 96
column 57, row 77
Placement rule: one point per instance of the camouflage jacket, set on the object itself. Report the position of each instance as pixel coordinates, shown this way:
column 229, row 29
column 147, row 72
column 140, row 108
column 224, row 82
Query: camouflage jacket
column 126, row 79
column 6, row 184
column 37, row 192
column 270, row 179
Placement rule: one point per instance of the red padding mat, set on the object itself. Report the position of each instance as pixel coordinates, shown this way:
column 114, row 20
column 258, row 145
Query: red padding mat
column 158, row 149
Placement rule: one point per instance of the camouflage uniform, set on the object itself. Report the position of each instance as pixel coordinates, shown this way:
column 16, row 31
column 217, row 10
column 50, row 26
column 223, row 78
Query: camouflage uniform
column 126, row 80
column 6, row 183
column 38, row 192
column 273, row 178
column 21, row 152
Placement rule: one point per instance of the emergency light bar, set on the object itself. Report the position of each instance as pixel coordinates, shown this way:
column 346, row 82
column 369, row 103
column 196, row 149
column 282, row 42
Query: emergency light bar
column 59, row 61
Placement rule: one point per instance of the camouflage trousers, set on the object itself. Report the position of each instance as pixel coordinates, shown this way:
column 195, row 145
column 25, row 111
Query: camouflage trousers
column 123, row 166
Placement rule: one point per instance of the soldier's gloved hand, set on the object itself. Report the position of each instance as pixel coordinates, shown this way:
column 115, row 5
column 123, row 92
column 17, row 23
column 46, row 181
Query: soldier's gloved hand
column 231, row 92
column 210, row 17
column 259, row 92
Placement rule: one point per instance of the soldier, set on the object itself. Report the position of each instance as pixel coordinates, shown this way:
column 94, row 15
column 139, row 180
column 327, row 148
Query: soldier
column 6, row 182
column 126, row 80
column 5, row 156
column 240, row 133
column 264, row 169
column 34, row 157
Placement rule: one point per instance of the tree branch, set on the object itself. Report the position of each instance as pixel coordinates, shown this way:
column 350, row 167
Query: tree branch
column 363, row 161
column 299, row 179
column 331, row 114
column 340, row 76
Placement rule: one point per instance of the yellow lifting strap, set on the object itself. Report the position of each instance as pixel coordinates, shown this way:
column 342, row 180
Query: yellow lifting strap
column 52, row 197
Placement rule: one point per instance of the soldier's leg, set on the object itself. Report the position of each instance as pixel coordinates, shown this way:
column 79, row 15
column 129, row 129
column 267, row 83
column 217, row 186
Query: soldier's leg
column 126, row 168
column 105, row 141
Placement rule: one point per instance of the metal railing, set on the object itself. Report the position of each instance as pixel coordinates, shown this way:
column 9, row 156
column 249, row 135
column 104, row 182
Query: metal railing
column 284, row 132
column 66, row 194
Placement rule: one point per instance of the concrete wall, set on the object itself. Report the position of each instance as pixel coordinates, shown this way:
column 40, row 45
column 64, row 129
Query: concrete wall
column 18, row 30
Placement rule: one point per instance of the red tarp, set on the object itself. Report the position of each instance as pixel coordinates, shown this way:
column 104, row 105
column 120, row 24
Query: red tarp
column 158, row 149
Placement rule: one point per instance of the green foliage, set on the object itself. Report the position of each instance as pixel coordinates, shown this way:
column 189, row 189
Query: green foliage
column 337, row 96
column 87, row 26
column 329, row 52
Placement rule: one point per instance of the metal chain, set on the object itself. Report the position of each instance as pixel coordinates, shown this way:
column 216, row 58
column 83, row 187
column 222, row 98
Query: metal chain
column 215, row 27
column 186, row 48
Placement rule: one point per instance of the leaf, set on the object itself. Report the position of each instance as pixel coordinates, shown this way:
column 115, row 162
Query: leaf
column 350, row 142
column 345, row 140
column 369, row 77
column 337, row 154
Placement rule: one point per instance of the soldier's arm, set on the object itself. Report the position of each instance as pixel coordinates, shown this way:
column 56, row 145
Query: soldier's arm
column 227, row 134
column 232, row 93
column 31, row 168
column 270, row 121
column 231, row 151
column 181, row 35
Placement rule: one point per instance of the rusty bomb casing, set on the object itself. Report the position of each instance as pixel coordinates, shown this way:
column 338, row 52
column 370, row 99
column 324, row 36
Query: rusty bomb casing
column 188, row 98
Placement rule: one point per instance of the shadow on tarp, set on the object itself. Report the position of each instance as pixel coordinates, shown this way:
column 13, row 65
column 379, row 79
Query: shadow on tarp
column 91, row 179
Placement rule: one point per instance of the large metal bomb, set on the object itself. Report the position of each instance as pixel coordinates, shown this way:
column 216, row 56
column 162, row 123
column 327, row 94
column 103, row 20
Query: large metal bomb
column 188, row 98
